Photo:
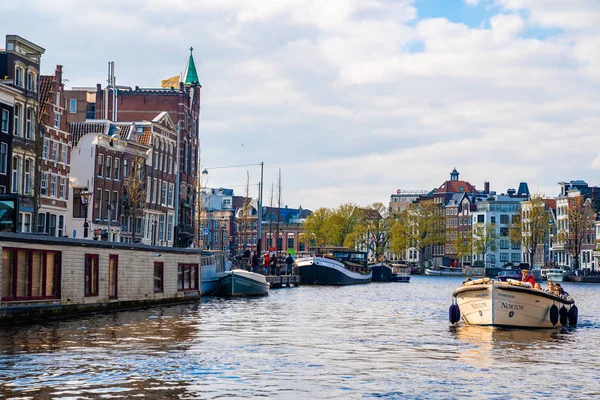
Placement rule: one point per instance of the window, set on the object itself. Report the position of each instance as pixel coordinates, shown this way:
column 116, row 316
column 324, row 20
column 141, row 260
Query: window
column 31, row 78
column 108, row 168
column 515, row 245
column 169, row 227
column 27, row 176
column 44, row 184
column 504, row 219
column 3, row 158
column 19, row 73
column 163, row 193
column 504, row 231
column 170, row 196
column 41, row 222
column 107, row 199
column 187, row 277
column 61, row 189
column 30, row 274
column 98, row 203
column 480, row 219
column 117, row 169
column 15, row 175
column 115, row 206
column 53, row 185
column 161, row 227
column 503, row 257
column 515, row 257
column 504, row 244
column 46, row 149
column 57, row 120
column 290, row 243
column 148, row 189
column 125, row 168
column 4, row 125
column 170, row 165
column 52, row 225
column 113, row 275
column 28, row 126
column 73, row 106
column 54, row 151
column 154, row 190
column 63, row 153
column 159, row 271
column 61, row 225
column 17, row 127
column 91, row 275
column 26, row 223
column 100, row 165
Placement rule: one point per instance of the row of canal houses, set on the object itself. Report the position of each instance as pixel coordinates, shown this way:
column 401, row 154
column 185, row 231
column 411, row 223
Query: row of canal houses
column 464, row 207
column 107, row 158
column 57, row 144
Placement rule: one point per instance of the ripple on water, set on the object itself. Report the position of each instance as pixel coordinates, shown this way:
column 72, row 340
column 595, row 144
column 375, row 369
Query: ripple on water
column 374, row 341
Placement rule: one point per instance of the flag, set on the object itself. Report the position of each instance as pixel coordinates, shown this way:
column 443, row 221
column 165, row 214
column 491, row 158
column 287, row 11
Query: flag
column 372, row 241
column 170, row 82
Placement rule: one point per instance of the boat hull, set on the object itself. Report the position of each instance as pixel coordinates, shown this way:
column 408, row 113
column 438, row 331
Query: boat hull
column 506, row 305
column 381, row 272
column 242, row 283
column 556, row 277
column 400, row 278
column 322, row 271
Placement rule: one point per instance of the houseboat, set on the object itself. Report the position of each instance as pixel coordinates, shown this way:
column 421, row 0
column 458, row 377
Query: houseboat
column 49, row 276
column 337, row 267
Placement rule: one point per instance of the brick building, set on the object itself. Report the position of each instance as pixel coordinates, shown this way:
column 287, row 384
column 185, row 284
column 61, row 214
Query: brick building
column 126, row 104
column 20, row 66
column 56, row 152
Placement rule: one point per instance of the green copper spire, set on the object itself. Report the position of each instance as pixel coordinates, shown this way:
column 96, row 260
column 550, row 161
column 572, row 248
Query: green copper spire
column 191, row 76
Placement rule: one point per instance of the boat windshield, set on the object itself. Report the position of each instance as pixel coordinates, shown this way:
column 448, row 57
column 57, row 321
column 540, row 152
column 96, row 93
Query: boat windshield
column 352, row 256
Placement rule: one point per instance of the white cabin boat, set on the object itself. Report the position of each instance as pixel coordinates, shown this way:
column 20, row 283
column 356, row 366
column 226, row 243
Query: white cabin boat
column 444, row 271
column 556, row 274
column 511, row 304
column 214, row 267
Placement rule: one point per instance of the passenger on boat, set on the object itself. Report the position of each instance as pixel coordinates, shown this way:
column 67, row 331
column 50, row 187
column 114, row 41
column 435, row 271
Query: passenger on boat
column 551, row 286
column 527, row 277
column 558, row 290
column 538, row 286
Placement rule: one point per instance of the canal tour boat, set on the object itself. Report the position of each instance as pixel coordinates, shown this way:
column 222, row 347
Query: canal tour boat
column 400, row 273
column 512, row 303
column 383, row 272
column 339, row 267
column 239, row 282
column 444, row 271
column 556, row 274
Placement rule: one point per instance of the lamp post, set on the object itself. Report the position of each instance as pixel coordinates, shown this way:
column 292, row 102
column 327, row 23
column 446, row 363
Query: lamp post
column 85, row 200
column 260, row 194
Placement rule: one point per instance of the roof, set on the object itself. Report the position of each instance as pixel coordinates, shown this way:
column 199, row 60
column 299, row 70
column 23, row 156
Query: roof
column 191, row 76
column 455, row 187
column 80, row 129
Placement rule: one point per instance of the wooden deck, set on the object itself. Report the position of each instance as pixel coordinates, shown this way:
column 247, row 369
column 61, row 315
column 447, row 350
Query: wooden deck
column 283, row 281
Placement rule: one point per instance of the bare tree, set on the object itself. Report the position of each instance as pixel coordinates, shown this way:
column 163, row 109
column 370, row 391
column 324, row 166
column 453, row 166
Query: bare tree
column 270, row 216
column 532, row 227
column 485, row 237
column 580, row 221
column 135, row 190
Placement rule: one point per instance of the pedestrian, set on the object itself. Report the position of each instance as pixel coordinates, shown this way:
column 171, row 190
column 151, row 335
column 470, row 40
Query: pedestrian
column 255, row 261
column 289, row 261
column 274, row 264
column 266, row 264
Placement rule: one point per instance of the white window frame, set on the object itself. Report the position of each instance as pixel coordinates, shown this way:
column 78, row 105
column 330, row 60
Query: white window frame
column 54, row 151
column 117, row 169
column 27, row 173
column 53, row 185
column 5, row 121
column 57, row 120
column 19, row 72
column 62, row 188
column 18, row 108
column 3, row 158
column 108, row 168
column 100, row 166
column 15, row 174
column 63, row 153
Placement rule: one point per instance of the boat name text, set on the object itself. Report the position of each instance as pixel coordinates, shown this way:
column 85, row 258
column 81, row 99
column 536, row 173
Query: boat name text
column 506, row 295
column 509, row 306
column 477, row 306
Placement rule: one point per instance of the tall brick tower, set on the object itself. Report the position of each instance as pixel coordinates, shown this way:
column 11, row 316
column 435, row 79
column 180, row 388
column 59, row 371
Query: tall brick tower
column 183, row 105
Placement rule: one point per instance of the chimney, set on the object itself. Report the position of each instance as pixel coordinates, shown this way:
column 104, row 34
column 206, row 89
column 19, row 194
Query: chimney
column 486, row 187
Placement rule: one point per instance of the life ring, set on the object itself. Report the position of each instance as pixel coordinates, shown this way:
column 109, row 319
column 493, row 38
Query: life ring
column 515, row 282
column 477, row 282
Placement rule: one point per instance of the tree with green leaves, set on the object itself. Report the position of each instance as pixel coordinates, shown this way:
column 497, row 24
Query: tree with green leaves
column 419, row 226
column 371, row 230
column 340, row 225
column 532, row 226
column 485, row 238
column 463, row 245
column 316, row 228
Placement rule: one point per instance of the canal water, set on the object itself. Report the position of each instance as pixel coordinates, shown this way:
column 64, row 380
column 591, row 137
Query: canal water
column 383, row 340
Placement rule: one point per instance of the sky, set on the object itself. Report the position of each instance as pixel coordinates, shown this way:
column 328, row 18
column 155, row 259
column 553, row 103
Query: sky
column 354, row 99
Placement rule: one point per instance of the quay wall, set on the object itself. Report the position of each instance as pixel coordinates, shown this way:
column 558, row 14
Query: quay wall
column 29, row 292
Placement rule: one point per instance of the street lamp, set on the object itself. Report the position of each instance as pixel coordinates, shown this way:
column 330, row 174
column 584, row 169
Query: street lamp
column 260, row 193
column 85, row 200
